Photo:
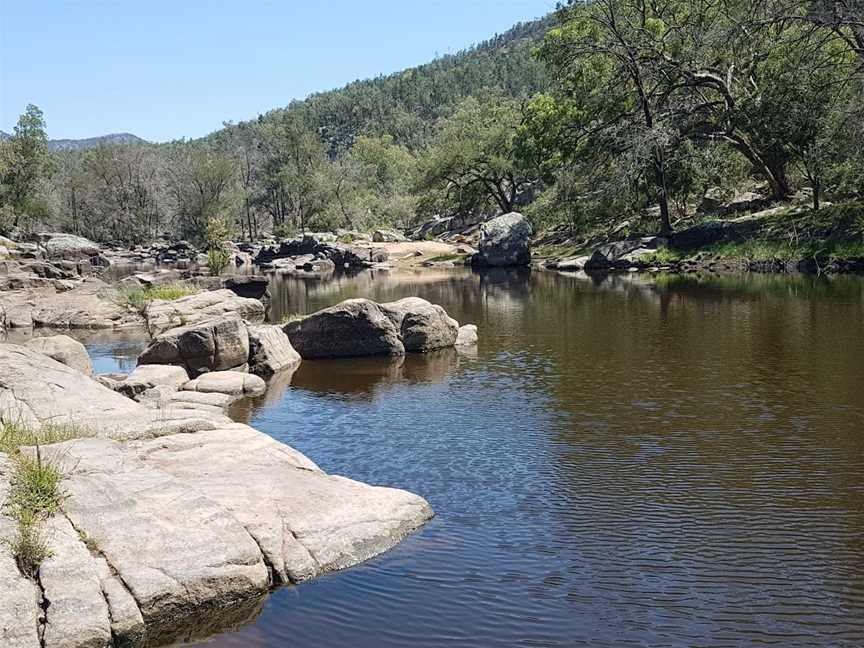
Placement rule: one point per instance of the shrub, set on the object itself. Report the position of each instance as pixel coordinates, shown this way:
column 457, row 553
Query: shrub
column 217, row 259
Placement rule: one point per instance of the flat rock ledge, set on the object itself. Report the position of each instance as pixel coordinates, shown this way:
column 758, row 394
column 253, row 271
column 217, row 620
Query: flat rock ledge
column 175, row 524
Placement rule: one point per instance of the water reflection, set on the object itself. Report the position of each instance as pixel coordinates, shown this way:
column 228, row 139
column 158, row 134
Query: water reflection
column 628, row 460
column 625, row 460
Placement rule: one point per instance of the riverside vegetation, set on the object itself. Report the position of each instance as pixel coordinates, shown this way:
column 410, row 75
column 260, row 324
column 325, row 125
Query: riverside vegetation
column 611, row 117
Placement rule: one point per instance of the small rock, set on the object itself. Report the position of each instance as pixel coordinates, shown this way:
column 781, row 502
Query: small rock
column 467, row 335
column 227, row 382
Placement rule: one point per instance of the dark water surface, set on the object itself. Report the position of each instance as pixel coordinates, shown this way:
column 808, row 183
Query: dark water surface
column 635, row 461
column 631, row 462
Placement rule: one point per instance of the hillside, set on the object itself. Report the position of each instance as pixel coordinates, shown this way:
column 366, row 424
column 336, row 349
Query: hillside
column 405, row 105
column 86, row 143
column 90, row 142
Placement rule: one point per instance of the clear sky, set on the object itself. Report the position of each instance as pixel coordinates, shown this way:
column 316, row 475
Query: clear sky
column 165, row 69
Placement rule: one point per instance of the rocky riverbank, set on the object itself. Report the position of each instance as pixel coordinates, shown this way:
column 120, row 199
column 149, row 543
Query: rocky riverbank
column 169, row 511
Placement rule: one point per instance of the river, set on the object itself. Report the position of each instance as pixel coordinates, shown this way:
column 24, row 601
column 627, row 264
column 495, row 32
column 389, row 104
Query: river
column 624, row 461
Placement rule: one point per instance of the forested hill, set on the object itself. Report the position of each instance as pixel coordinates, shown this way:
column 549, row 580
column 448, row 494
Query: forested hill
column 405, row 105
column 86, row 143
column 90, row 142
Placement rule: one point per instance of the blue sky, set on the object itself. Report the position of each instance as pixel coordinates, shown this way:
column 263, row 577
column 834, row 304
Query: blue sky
column 169, row 69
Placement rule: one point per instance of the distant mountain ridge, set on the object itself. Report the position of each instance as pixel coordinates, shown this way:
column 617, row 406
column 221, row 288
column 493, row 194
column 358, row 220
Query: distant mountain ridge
column 89, row 142
column 404, row 105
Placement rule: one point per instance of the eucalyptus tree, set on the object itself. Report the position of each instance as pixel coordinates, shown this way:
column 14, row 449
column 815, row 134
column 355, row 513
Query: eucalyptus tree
column 472, row 159
column 25, row 165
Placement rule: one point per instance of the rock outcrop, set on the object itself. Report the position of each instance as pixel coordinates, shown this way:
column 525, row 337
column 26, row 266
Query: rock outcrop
column 230, row 383
column 388, row 236
column 163, row 315
column 270, row 350
column 309, row 248
column 355, row 327
column 63, row 349
column 360, row 327
column 157, row 532
column 87, row 304
column 68, row 246
column 421, row 325
column 505, row 241
column 210, row 345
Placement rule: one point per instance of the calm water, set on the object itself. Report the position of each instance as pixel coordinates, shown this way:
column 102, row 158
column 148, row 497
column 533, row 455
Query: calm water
column 626, row 462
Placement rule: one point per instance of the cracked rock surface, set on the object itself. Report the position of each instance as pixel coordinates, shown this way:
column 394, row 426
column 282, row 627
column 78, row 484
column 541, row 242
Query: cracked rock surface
column 174, row 521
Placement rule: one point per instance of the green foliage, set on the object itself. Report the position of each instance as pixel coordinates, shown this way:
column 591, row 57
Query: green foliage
column 138, row 298
column 217, row 260
column 35, row 491
column 24, row 165
column 14, row 436
column 471, row 165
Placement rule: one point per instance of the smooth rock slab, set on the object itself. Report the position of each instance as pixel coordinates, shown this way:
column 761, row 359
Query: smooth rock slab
column 19, row 599
column 77, row 614
column 178, row 552
column 227, row 382
column 63, row 349
column 305, row 521
column 171, row 376
column 127, row 624
column 35, row 390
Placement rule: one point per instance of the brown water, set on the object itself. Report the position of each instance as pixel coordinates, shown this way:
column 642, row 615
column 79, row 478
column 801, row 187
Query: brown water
column 623, row 462
column 628, row 461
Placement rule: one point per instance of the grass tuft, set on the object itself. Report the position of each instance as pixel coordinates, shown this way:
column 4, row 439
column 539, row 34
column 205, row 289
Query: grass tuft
column 137, row 299
column 291, row 317
column 35, row 491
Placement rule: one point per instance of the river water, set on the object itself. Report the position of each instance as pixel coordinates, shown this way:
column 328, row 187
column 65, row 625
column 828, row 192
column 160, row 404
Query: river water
column 627, row 461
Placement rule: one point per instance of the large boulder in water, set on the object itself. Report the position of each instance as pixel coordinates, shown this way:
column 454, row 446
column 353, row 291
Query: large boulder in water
column 505, row 241
column 63, row 349
column 356, row 327
column 270, row 350
column 422, row 326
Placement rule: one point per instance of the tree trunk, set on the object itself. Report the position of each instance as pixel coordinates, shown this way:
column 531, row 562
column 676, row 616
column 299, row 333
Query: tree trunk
column 662, row 193
column 817, row 190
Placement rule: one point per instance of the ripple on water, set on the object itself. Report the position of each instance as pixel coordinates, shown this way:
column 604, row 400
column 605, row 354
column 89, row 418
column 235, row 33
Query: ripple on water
column 621, row 464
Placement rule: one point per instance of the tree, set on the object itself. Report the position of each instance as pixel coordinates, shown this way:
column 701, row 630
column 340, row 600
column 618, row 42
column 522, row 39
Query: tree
column 26, row 164
column 472, row 159
column 611, row 91
column 297, row 182
column 200, row 180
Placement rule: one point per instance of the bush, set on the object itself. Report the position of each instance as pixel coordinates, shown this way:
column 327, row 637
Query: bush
column 217, row 260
